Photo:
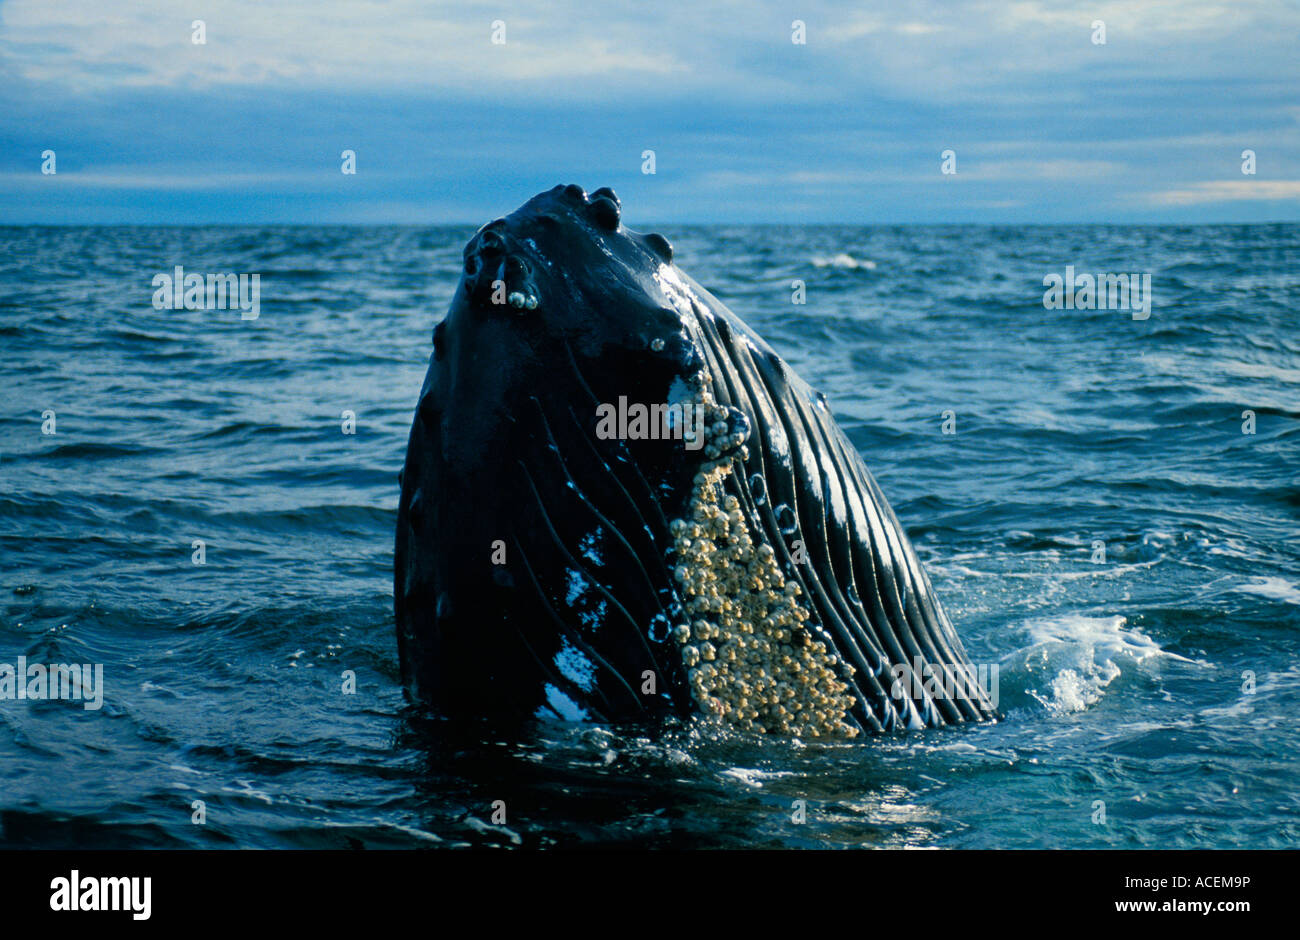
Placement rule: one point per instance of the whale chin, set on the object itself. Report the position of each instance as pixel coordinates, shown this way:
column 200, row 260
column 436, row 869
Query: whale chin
column 566, row 547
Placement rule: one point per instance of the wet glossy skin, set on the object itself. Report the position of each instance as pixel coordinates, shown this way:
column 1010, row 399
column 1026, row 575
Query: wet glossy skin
column 534, row 562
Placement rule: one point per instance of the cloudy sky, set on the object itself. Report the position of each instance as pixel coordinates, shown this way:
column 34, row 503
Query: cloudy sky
column 747, row 126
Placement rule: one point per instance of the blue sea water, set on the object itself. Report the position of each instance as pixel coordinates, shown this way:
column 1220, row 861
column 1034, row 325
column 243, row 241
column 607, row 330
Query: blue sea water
column 1150, row 697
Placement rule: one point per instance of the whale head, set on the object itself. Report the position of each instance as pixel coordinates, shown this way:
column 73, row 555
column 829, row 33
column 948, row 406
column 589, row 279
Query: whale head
column 563, row 548
column 559, row 280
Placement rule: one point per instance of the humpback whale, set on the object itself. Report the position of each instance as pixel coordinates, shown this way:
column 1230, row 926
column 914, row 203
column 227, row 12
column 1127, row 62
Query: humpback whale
column 620, row 504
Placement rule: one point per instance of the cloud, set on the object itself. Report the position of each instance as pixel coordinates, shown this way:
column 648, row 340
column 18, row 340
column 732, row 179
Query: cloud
column 171, row 180
column 1218, row 191
column 1038, row 170
column 308, row 43
column 557, row 48
column 746, row 124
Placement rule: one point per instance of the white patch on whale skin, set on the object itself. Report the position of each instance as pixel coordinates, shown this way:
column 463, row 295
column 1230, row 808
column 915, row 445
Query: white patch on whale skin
column 591, row 619
column 675, row 289
column 679, row 392
column 589, row 545
column 575, row 667
column 576, row 586
column 563, row 706
column 833, row 496
column 914, row 722
column 681, row 395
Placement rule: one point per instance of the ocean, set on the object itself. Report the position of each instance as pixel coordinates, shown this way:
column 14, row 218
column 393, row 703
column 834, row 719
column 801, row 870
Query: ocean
column 1106, row 500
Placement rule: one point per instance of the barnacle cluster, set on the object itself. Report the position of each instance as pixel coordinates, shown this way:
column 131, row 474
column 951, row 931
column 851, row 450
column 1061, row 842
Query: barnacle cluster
column 752, row 661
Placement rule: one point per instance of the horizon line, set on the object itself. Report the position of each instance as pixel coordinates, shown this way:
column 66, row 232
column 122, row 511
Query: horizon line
column 646, row 226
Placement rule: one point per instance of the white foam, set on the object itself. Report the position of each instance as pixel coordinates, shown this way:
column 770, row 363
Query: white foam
column 844, row 261
column 753, row 777
column 1070, row 660
column 1278, row 589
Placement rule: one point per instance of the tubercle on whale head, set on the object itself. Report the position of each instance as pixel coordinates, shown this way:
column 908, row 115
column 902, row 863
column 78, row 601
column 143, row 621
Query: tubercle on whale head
column 559, row 277
column 526, row 260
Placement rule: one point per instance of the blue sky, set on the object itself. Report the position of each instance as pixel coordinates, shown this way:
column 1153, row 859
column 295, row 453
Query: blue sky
column 746, row 125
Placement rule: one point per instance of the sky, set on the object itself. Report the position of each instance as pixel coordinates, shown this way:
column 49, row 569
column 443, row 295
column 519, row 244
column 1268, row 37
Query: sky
column 1045, row 124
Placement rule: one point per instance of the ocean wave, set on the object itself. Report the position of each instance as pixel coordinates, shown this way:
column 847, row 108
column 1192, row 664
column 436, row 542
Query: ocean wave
column 1279, row 589
column 843, row 261
column 224, row 680
column 1070, row 660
